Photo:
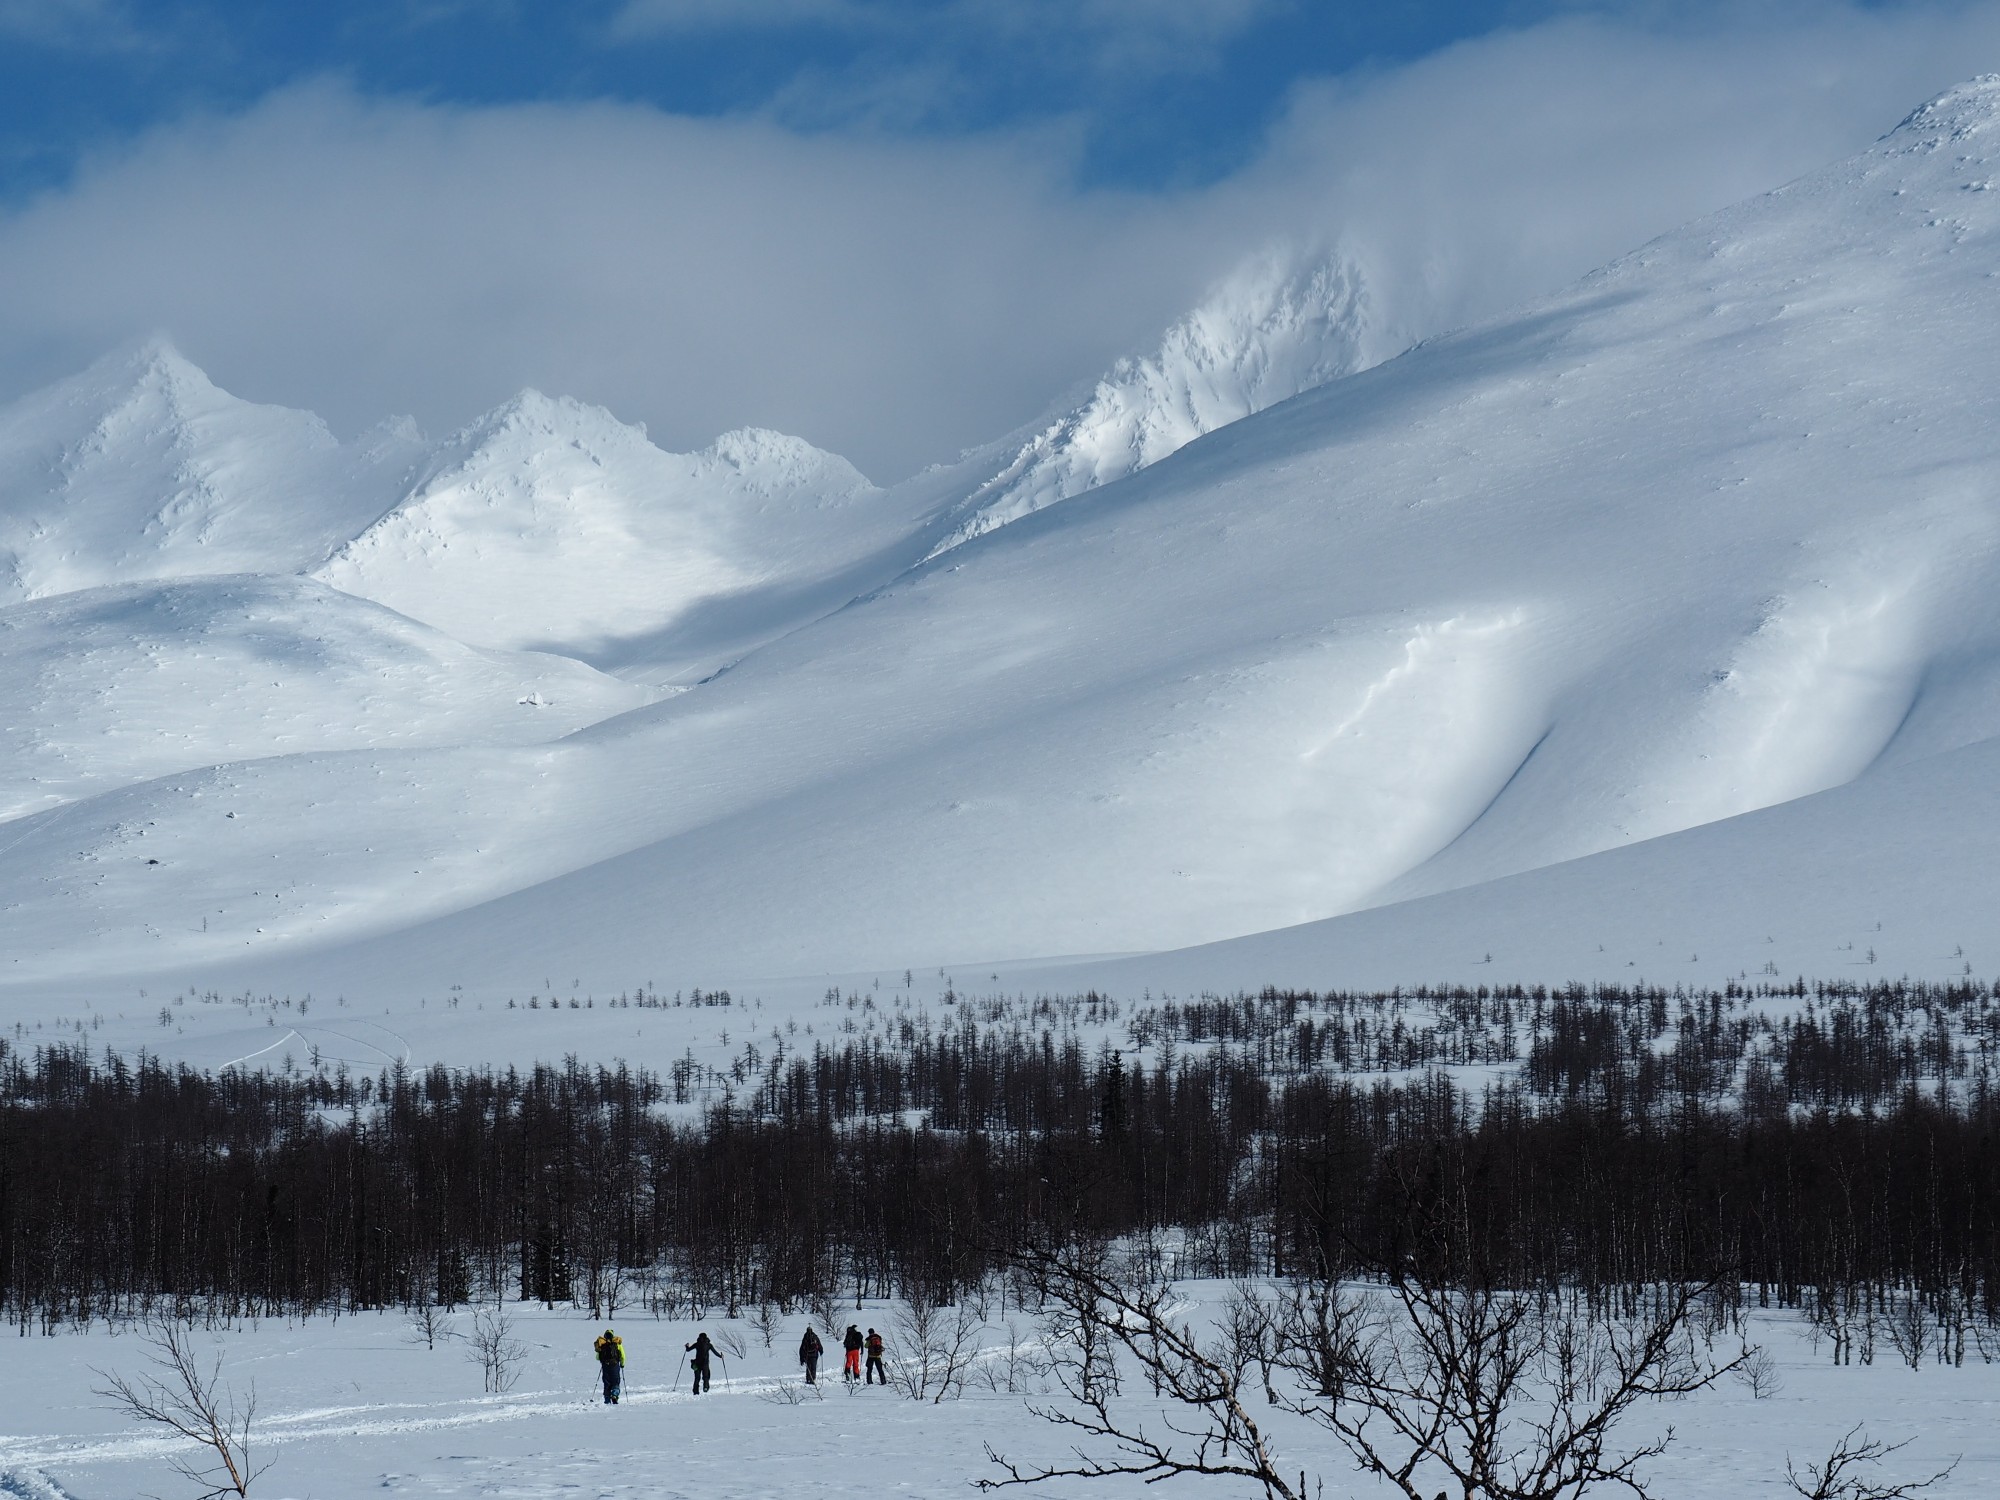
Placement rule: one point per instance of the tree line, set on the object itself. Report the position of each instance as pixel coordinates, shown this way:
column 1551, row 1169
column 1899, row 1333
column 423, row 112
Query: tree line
column 1828, row 1146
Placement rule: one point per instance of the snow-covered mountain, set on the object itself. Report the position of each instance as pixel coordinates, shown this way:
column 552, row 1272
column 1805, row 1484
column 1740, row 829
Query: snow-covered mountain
column 550, row 524
column 1715, row 529
column 139, row 467
column 1281, row 324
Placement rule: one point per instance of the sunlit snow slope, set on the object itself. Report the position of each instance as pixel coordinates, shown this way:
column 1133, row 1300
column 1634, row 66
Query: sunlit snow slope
column 1717, row 528
column 549, row 524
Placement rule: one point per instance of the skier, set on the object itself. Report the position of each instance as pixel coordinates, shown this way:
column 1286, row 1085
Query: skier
column 852, row 1344
column 611, row 1364
column 875, row 1369
column 810, row 1349
column 703, row 1347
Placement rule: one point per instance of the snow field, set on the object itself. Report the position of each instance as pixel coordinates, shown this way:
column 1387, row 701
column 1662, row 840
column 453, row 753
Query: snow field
column 353, row 1406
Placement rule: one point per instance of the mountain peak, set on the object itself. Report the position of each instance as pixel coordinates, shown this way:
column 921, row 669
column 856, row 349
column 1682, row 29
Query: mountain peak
column 1282, row 322
column 150, row 369
column 769, row 463
column 1958, row 114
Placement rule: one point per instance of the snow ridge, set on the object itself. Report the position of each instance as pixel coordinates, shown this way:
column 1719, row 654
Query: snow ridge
column 549, row 523
column 1281, row 324
column 140, row 467
column 1958, row 114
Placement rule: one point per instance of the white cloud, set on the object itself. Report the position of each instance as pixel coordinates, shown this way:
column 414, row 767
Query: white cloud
column 887, row 299
column 1521, row 161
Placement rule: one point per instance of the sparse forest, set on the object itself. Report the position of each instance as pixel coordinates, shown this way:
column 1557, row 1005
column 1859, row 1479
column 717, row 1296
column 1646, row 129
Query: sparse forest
column 1825, row 1147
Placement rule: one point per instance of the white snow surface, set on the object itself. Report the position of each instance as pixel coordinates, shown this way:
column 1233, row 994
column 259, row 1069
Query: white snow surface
column 1713, row 531
column 354, row 1406
column 110, row 686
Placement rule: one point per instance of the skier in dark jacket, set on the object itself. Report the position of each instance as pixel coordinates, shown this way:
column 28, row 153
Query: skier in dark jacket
column 875, row 1370
column 611, row 1365
column 703, row 1346
column 852, row 1344
column 810, row 1349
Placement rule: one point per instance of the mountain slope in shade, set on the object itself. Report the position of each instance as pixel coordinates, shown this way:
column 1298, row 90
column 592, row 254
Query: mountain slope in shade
column 110, row 686
column 139, row 467
column 1280, row 325
column 1717, row 528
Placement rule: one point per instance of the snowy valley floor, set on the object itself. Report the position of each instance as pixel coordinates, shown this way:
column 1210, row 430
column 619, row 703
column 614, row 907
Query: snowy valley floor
column 352, row 1406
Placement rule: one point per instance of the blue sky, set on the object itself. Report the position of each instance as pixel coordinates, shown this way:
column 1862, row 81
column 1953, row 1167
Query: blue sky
column 1156, row 94
column 893, row 227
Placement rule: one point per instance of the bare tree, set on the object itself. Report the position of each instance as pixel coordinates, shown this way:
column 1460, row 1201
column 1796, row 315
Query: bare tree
column 1511, row 1395
column 1835, row 1479
column 1758, row 1369
column 937, row 1347
column 1911, row 1326
column 428, row 1324
column 1514, row 1395
column 495, row 1349
column 190, row 1400
column 1095, row 1312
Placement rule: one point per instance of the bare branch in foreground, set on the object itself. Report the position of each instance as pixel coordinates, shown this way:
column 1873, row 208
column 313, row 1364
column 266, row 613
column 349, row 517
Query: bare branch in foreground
column 1834, row 1479
column 194, row 1404
column 1096, row 1314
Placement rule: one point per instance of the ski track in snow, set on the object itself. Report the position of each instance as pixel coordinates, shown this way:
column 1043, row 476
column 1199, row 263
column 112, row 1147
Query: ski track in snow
column 332, row 1424
column 305, row 1038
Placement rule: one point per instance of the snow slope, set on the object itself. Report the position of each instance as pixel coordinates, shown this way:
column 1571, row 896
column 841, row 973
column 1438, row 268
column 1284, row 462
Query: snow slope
column 1891, row 875
column 1282, row 324
column 109, row 686
column 1717, row 528
column 140, row 468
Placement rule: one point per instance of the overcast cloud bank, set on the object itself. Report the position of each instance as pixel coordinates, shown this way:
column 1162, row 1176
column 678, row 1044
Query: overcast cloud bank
column 893, row 299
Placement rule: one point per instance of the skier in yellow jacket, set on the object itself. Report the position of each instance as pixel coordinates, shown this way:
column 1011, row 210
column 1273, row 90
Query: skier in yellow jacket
column 611, row 1364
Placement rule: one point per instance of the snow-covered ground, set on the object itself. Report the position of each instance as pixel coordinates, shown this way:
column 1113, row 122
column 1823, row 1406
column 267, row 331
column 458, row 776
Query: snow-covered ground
column 354, row 1407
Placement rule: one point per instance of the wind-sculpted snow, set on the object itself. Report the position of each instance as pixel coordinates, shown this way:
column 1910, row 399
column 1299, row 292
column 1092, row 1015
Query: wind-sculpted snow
column 1279, row 326
column 1715, row 529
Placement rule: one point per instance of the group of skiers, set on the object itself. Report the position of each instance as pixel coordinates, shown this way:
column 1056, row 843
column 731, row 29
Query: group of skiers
column 853, row 1343
column 610, row 1350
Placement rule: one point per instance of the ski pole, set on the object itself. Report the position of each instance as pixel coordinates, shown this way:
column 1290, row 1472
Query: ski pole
column 728, row 1380
column 677, row 1373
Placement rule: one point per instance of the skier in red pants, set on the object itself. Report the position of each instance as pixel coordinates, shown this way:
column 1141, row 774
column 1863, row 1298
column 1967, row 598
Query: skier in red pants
column 852, row 1344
